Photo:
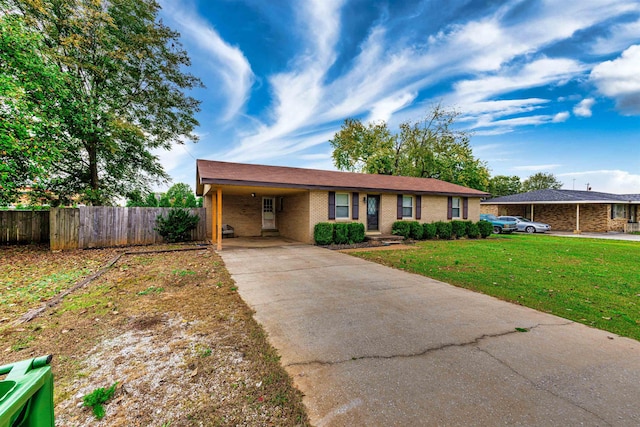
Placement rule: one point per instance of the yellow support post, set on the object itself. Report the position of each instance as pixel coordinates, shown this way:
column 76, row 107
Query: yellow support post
column 219, row 218
column 214, row 218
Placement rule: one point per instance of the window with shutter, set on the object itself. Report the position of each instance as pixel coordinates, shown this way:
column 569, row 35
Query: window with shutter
column 407, row 206
column 455, row 207
column 418, row 207
column 342, row 205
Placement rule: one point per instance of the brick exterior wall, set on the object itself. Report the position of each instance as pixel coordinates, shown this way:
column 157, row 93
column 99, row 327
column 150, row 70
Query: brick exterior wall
column 244, row 214
column 301, row 211
column 319, row 210
column 293, row 220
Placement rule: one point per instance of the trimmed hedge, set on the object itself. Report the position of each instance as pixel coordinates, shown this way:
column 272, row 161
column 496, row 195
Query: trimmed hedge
column 401, row 228
column 429, row 231
column 341, row 233
column 323, row 233
column 486, row 228
column 407, row 229
column 459, row 229
column 415, row 230
column 444, row 230
column 473, row 231
column 356, row 232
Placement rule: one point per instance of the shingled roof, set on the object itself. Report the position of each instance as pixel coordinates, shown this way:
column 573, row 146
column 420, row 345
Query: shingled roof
column 564, row 196
column 243, row 174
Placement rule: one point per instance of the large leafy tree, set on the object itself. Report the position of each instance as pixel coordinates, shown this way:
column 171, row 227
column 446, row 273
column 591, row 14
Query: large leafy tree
column 179, row 193
column 502, row 185
column 127, row 94
column 33, row 106
column 541, row 181
column 427, row 148
column 367, row 148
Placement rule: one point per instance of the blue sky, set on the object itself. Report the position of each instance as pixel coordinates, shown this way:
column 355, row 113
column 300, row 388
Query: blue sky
column 545, row 86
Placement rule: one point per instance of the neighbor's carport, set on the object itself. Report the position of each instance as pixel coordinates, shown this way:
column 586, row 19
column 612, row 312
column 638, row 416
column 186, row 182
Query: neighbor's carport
column 370, row 345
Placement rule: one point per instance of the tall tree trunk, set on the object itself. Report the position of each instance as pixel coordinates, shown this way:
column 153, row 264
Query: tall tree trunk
column 94, row 197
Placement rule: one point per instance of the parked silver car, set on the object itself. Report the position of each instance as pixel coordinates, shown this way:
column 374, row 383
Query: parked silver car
column 525, row 224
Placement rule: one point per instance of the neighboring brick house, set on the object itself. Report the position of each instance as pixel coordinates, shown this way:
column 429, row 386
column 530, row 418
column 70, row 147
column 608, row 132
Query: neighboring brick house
column 571, row 210
column 259, row 200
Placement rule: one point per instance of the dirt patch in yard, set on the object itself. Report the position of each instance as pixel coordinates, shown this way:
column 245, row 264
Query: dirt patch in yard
column 168, row 328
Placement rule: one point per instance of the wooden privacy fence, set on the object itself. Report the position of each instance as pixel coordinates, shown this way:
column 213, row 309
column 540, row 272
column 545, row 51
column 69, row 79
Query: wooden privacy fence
column 24, row 227
column 103, row 226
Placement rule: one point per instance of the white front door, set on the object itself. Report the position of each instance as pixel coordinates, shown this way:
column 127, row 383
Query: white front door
column 268, row 213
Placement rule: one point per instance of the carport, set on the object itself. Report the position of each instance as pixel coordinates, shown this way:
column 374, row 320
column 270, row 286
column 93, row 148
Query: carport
column 569, row 210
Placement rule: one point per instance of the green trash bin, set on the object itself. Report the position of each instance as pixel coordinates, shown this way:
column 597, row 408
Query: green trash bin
column 26, row 394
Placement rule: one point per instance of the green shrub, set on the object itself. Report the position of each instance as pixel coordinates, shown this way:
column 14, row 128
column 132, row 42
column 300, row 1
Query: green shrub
column 473, row 232
column 485, row 228
column 444, row 230
column 415, row 230
column 356, row 232
column 401, row 228
column 177, row 226
column 323, row 233
column 429, row 231
column 340, row 233
column 459, row 229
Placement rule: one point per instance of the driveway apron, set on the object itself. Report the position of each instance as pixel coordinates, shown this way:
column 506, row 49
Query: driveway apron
column 370, row 345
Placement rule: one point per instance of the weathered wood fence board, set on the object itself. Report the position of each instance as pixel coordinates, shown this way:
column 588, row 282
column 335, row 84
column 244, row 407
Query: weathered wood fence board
column 24, row 227
column 103, row 226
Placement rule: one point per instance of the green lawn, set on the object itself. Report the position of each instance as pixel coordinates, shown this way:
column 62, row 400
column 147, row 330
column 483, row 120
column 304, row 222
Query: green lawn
column 591, row 281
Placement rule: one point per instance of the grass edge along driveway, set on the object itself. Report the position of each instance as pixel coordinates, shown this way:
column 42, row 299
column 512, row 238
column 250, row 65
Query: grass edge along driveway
column 592, row 281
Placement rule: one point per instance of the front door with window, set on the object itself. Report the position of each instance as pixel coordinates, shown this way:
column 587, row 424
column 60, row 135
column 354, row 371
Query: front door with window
column 373, row 207
column 268, row 213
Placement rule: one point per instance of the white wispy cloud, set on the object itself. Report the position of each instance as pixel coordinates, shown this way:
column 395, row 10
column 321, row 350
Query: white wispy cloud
column 298, row 91
column 620, row 37
column 562, row 116
column 620, row 79
column 383, row 109
column 606, row 180
column 496, row 54
column 583, row 108
column 536, row 73
column 234, row 76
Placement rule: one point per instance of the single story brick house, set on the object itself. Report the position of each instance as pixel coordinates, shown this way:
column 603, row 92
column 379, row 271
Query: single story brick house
column 259, row 200
column 571, row 210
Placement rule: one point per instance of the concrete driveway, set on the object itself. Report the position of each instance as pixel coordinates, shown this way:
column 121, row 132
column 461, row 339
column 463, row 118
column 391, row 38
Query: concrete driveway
column 369, row 345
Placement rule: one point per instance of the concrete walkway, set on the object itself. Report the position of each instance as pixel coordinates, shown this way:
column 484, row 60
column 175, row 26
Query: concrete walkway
column 369, row 345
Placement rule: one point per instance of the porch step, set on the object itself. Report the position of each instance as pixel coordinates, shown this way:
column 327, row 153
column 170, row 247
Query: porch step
column 270, row 233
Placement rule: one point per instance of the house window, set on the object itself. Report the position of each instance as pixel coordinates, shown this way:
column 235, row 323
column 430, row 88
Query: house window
column 619, row 211
column 342, row 206
column 455, row 207
column 407, row 206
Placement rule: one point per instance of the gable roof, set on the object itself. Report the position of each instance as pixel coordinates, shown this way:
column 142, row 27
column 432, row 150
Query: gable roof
column 243, row 174
column 564, row 196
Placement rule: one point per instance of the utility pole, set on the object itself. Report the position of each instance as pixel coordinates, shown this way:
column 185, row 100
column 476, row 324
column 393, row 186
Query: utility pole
column 588, row 188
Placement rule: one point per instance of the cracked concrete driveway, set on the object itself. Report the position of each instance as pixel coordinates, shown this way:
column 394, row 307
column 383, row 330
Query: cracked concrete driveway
column 370, row 345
